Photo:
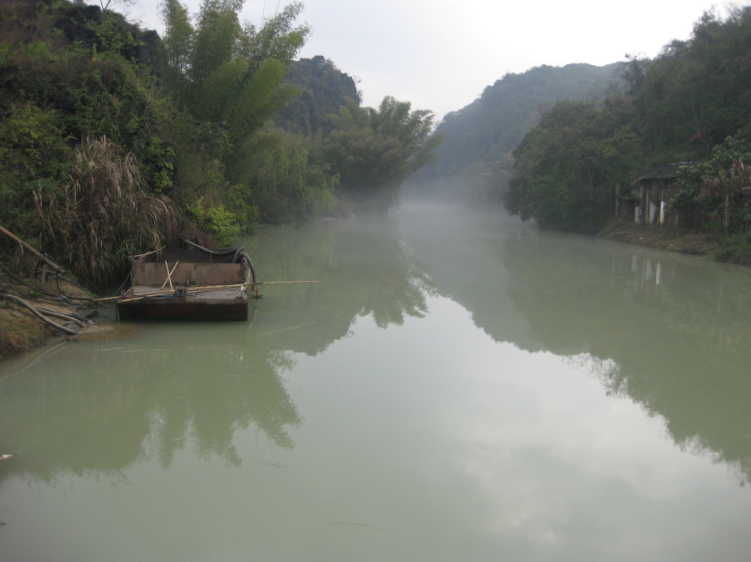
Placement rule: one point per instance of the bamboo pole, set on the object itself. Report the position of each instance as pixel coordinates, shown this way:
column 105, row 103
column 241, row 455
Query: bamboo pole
column 194, row 290
column 32, row 250
column 169, row 275
column 169, row 278
column 139, row 256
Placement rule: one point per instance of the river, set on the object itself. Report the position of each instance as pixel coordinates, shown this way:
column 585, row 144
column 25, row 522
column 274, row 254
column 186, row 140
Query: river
column 455, row 387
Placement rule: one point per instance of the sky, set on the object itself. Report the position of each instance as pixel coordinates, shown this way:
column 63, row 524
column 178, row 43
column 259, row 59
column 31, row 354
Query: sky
column 441, row 54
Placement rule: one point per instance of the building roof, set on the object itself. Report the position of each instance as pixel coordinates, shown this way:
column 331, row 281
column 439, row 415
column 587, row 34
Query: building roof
column 666, row 171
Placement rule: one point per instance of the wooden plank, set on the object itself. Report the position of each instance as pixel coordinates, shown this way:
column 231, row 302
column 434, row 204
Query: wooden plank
column 190, row 273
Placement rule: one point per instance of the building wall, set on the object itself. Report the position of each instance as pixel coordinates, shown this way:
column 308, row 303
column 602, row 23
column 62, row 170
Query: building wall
column 654, row 195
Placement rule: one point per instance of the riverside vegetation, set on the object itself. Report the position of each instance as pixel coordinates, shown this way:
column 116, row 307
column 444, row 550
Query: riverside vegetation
column 560, row 144
column 114, row 139
column 688, row 104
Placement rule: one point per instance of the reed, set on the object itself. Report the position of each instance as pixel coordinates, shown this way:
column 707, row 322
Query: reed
column 103, row 213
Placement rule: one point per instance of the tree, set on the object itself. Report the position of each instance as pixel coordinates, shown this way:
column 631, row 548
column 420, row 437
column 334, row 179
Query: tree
column 226, row 73
column 567, row 168
column 374, row 150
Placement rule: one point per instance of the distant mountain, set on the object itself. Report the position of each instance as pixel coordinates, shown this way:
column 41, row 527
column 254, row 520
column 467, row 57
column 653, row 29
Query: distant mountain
column 479, row 136
column 323, row 90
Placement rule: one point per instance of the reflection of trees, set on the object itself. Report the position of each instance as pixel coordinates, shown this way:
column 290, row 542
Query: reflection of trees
column 361, row 267
column 102, row 410
column 677, row 330
column 99, row 411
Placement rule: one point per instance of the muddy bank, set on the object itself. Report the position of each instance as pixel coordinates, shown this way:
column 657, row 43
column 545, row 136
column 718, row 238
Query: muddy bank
column 21, row 330
column 696, row 243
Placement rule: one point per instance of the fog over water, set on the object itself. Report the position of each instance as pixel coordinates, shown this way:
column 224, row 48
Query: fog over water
column 457, row 386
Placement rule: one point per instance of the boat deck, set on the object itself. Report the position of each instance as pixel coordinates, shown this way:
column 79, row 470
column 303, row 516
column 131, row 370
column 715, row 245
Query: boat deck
column 204, row 294
column 191, row 275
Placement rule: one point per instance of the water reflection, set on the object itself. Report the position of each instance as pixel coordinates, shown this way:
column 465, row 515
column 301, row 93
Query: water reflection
column 98, row 408
column 428, row 440
column 90, row 409
column 671, row 332
column 677, row 330
column 361, row 267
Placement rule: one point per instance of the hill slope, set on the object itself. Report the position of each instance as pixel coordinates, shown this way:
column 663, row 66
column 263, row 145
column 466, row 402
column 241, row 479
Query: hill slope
column 481, row 136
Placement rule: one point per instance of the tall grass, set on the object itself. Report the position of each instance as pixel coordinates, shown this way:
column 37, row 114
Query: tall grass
column 103, row 214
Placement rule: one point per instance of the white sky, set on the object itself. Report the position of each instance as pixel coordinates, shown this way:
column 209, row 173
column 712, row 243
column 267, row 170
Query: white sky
column 440, row 54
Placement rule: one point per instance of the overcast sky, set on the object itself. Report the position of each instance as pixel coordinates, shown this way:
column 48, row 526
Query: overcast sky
column 440, row 54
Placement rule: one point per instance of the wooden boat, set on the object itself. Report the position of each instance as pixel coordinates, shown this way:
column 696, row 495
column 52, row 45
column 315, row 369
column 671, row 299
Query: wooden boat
column 189, row 284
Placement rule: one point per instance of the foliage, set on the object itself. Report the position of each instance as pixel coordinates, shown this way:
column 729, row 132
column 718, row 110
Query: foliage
column 374, row 150
column 323, row 90
column 695, row 93
column 31, row 148
column 679, row 106
column 182, row 127
column 228, row 74
column 715, row 190
column 223, row 225
column 481, row 136
column 282, row 179
column 102, row 215
column 568, row 166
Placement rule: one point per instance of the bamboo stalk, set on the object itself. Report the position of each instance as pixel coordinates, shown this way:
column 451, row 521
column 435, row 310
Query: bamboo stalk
column 169, row 278
column 32, row 250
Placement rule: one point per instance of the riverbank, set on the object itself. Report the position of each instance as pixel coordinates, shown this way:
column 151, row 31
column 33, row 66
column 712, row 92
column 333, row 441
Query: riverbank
column 21, row 330
column 695, row 243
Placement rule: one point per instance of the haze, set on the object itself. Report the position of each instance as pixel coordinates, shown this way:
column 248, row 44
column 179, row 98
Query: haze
column 440, row 55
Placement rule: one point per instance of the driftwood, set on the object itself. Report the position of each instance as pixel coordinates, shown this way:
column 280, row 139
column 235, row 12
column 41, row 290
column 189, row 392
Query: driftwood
column 32, row 250
column 39, row 314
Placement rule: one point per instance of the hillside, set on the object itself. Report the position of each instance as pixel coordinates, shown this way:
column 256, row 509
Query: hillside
column 481, row 136
column 323, row 90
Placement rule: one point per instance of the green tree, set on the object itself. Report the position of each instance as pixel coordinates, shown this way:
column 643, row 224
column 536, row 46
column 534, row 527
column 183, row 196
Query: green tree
column 695, row 93
column 374, row 150
column 226, row 73
column 567, row 168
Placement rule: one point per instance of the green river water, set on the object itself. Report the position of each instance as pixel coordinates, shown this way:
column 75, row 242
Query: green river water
column 456, row 387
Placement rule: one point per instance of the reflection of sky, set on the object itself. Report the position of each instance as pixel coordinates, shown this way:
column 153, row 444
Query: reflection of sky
column 425, row 441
